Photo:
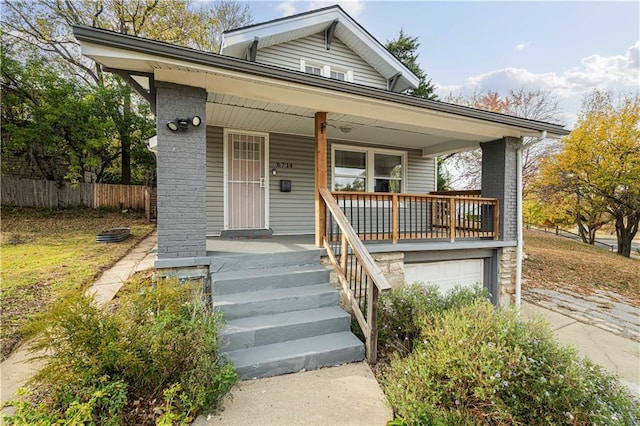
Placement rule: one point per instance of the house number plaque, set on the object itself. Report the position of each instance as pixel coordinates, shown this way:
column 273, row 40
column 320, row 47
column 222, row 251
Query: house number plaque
column 284, row 165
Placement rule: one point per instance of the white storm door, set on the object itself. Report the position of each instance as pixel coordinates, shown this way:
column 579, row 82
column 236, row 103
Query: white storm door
column 246, row 181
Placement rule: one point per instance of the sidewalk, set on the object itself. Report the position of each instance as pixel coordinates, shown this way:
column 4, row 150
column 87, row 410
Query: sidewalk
column 16, row 370
column 344, row 395
column 617, row 354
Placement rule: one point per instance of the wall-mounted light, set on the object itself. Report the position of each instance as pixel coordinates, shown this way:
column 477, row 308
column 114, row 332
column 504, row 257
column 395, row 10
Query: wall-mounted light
column 274, row 171
column 183, row 123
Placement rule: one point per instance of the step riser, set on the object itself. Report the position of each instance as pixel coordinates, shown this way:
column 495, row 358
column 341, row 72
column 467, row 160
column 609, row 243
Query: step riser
column 241, row 285
column 270, row 307
column 308, row 362
column 265, row 261
column 246, row 339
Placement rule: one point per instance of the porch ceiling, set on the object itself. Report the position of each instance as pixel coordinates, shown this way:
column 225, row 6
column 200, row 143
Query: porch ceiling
column 250, row 114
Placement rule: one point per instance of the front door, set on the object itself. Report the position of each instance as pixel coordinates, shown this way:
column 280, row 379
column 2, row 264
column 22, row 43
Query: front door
column 246, row 180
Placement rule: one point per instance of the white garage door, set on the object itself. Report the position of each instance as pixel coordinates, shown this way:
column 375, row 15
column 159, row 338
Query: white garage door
column 446, row 274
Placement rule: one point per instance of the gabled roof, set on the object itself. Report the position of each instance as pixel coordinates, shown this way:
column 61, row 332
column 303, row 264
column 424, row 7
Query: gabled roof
column 284, row 98
column 236, row 42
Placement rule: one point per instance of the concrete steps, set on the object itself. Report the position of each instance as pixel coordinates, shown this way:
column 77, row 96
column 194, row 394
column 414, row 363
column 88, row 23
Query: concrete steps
column 295, row 355
column 264, row 330
column 282, row 319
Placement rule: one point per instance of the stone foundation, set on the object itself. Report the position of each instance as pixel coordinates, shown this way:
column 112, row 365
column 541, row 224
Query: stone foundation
column 507, row 259
column 391, row 265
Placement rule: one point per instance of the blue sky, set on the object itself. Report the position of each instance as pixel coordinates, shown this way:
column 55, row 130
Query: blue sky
column 569, row 48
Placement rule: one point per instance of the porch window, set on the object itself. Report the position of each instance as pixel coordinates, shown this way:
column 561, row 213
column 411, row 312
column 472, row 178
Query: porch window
column 388, row 172
column 368, row 170
column 350, row 171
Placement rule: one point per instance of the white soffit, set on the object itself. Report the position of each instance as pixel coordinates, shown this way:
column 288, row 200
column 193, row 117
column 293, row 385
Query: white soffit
column 380, row 117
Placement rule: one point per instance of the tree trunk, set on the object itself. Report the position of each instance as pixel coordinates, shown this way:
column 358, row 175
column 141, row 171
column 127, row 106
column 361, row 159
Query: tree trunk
column 582, row 230
column 125, row 140
column 625, row 233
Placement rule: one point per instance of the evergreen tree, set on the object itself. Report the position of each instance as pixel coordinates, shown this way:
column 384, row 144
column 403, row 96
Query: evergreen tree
column 405, row 49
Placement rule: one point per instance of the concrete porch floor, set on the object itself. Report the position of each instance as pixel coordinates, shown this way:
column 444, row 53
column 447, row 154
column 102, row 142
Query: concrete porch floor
column 222, row 246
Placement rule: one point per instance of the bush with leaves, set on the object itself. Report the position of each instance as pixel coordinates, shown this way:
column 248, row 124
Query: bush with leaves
column 402, row 307
column 473, row 364
column 150, row 356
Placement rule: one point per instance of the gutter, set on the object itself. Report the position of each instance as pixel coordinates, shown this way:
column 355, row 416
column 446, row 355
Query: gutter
column 170, row 51
column 519, row 214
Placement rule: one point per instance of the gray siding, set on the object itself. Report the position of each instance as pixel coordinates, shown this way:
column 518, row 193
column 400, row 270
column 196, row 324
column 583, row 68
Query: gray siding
column 312, row 48
column 215, row 181
column 292, row 212
column 420, row 173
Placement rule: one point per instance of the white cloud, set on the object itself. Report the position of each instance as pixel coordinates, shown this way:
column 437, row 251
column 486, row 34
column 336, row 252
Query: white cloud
column 595, row 71
column 286, row 7
column 290, row 7
column 521, row 46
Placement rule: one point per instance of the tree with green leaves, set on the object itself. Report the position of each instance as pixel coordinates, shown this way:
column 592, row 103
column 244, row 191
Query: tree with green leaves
column 67, row 129
column 46, row 25
column 405, row 48
column 599, row 164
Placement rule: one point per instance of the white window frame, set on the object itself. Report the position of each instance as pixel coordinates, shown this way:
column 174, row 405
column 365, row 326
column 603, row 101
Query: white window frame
column 226, row 151
column 326, row 69
column 370, row 166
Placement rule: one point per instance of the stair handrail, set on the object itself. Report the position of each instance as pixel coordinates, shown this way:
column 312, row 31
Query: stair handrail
column 375, row 281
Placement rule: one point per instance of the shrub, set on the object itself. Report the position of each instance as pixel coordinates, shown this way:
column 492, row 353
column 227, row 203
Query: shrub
column 402, row 308
column 152, row 352
column 473, row 364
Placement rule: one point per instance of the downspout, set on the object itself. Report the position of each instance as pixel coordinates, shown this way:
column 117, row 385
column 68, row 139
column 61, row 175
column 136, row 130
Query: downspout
column 519, row 248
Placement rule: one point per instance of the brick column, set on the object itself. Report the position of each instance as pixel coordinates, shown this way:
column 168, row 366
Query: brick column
column 499, row 181
column 181, row 173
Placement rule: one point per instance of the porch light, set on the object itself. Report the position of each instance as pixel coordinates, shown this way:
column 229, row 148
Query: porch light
column 345, row 129
column 183, row 123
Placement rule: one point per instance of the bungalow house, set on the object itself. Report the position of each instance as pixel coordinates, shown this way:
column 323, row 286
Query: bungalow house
column 293, row 152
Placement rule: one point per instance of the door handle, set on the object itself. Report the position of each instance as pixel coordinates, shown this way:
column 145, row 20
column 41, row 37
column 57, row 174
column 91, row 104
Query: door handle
column 262, row 183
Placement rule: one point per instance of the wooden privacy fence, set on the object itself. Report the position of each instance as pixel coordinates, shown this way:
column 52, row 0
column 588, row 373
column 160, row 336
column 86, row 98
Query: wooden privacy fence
column 45, row 193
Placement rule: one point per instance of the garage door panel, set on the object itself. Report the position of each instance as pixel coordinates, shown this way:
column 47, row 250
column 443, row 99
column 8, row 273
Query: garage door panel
column 446, row 274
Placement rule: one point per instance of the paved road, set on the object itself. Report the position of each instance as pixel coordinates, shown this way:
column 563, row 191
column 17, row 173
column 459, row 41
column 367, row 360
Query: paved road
column 635, row 244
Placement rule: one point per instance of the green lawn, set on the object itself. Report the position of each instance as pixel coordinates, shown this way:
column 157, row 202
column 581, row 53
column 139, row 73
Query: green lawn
column 48, row 252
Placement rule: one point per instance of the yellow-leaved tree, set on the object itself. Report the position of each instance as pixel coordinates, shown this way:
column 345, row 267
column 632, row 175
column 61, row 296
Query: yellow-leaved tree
column 596, row 175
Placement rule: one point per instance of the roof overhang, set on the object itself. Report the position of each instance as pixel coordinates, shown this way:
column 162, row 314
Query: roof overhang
column 336, row 22
column 259, row 97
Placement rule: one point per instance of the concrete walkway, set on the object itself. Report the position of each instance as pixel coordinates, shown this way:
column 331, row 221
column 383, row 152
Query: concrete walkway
column 617, row 354
column 17, row 369
column 604, row 309
column 344, row 395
